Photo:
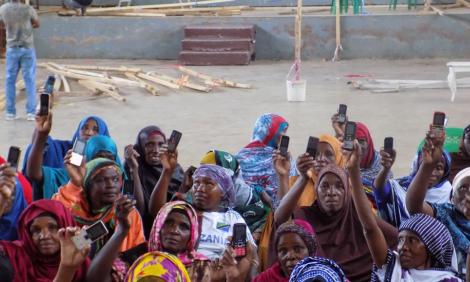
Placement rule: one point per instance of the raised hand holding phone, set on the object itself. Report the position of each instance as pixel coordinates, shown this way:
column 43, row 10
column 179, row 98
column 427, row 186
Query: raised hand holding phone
column 174, row 140
column 437, row 128
column 78, row 151
column 387, row 154
column 89, row 235
column 312, row 146
column 349, row 136
column 281, row 163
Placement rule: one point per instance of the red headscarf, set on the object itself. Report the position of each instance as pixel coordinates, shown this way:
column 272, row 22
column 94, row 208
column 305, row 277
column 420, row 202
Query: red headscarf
column 362, row 132
column 27, row 189
column 28, row 264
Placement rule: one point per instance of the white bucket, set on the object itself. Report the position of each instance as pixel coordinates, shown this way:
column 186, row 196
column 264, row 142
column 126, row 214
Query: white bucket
column 296, row 90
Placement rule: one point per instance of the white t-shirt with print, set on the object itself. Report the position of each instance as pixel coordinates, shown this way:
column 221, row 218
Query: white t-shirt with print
column 216, row 228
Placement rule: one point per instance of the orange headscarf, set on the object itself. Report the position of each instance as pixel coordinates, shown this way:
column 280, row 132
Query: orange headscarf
column 308, row 195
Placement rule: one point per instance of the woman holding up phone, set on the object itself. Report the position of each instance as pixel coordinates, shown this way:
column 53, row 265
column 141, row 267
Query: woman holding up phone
column 425, row 246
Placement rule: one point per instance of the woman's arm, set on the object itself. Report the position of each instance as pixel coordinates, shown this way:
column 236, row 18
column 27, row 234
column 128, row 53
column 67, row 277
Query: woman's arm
column 159, row 194
column 289, row 201
column 34, row 163
column 100, row 268
column 282, row 167
column 432, row 153
column 387, row 161
column 374, row 236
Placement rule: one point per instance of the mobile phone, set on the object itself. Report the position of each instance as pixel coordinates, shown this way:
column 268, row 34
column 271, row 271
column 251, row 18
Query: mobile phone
column 312, row 146
column 89, row 235
column 49, row 86
column 44, row 105
column 191, row 170
column 438, row 122
column 284, row 145
column 349, row 136
column 78, row 151
column 388, row 145
column 13, row 158
column 342, row 113
column 239, row 239
column 128, row 189
column 174, row 140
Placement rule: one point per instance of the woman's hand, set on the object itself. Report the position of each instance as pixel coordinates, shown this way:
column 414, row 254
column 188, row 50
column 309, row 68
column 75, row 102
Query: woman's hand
column 232, row 266
column 353, row 158
column 44, row 123
column 338, row 127
column 432, row 150
column 70, row 256
column 131, row 155
column 304, row 164
column 187, row 180
column 169, row 160
column 281, row 163
column 76, row 173
column 124, row 206
column 387, row 159
column 7, row 188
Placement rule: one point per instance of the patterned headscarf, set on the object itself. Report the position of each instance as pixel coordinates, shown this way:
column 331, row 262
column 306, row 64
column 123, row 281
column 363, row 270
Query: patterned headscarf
column 222, row 159
column 223, row 180
column 158, row 265
column 268, row 128
column 94, row 167
column 434, row 235
column 458, row 178
column 319, row 268
column 155, row 243
column 301, row 228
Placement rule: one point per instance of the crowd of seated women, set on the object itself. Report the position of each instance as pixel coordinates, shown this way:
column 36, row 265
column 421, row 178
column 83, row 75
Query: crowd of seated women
column 334, row 215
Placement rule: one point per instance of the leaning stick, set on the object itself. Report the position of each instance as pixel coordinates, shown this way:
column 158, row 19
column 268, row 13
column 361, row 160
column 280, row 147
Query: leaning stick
column 338, row 33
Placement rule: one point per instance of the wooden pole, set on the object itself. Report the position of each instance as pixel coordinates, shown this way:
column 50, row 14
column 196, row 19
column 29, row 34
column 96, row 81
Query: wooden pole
column 298, row 31
column 338, row 32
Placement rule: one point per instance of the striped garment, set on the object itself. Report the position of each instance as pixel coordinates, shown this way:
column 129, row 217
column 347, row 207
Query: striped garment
column 317, row 269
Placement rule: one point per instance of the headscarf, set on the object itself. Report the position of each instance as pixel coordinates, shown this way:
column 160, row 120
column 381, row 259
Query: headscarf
column 155, row 243
column 441, row 192
column 27, row 262
column 301, row 228
column 434, row 236
column 309, row 195
column 256, row 158
column 150, row 174
column 223, row 180
column 457, row 224
column 24, row 183
column 8, row 221
column 317, row 267
column 339, row 231
column 362, row 132
column 99, row 143
column 55, row 150
column 158, row 265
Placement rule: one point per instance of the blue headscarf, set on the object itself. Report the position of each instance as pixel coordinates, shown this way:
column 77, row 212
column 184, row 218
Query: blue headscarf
column 319, row 268
column 8, row 221
column 55, row 150
column 100, row 143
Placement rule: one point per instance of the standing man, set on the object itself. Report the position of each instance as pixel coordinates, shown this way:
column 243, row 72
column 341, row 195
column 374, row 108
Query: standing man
column 19, row 20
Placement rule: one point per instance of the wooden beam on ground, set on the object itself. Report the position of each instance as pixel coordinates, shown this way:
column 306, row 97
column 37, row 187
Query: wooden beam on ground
column 122, row 69
column 213, row 80
column 115, row 79
column 156, row 6
column 158, row 80
column 183, row 81
column 57, row 69
column 65, row 83
column 107, row 89
column 150, row 88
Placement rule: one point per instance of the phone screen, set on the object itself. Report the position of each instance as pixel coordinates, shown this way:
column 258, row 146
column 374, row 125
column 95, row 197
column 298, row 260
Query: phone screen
column 79, row 147
column 342, row 109
column 312, row 146
column 439, row 119
column 284, row 146
column 350, row 130
column 49, row 86
column 14, row 156
column 44, row 108
column 174, row 140
column 388, row 144
column 239, row 239
column 96, row 231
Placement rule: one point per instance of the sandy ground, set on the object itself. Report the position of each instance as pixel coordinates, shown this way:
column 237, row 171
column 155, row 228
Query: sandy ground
column 223, row 119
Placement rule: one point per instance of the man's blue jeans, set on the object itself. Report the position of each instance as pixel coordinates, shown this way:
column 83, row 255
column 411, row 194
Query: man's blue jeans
column 24, row 58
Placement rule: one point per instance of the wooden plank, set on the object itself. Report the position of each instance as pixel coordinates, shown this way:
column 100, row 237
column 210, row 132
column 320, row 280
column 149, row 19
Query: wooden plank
column 65, row 83
column 102, row 68
column 115, row 79
column 213, row 80
column 150, row 88
column 184, row 81
column 158, row 80
column 155, row 6
column 107, row 89
column 61, row 71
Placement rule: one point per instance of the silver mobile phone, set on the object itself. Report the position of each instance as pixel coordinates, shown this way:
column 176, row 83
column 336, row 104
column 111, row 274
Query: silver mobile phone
column 89, row 235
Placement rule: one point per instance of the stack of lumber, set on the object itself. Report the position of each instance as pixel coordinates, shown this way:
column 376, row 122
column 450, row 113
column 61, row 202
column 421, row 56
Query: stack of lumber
column 172, row 9
column 104, row 80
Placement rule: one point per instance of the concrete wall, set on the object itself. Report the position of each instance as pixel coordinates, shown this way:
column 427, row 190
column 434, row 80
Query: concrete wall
column 381, row 36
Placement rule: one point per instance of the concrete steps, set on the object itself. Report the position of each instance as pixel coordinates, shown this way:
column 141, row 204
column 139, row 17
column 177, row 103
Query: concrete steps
column 218, row 45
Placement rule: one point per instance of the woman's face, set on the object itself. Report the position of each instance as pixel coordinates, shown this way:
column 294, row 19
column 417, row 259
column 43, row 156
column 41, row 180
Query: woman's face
column 364, row 146
column 89, row 129
column 461, row 197
column 105, row 188
column 325, row 155
column 176, row 232
column 331, row 193
column 43, row 230
column 207, row 194
column 151, row 147
column 437, row 173
column 290, row 250
column 412, row 251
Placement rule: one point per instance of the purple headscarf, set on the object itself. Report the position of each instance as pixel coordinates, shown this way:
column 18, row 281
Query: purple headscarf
column 223, row 179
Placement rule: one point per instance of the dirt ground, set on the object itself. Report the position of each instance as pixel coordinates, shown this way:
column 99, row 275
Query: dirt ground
column 223, row 119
